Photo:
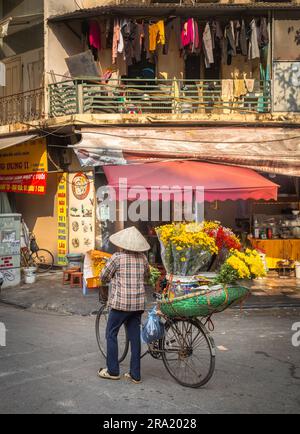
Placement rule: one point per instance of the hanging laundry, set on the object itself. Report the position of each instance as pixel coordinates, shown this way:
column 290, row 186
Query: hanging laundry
column 208, row 46
column 196, row 41
column 230, row 34
column 237, row 33
column 121, row 46
column 156, row 35
column 162, row 36
column 137, row 42
column 116, row 40
column 263, row 33
column 147, row 41
column 172, row 25
column 94, row 34
column 129, row 32
column 239, row 88
column 227, row 90
column 254, row 52
column 217, row 33
column 227, row 94
column 187, row 34
column 249, row 83
column 243, row 39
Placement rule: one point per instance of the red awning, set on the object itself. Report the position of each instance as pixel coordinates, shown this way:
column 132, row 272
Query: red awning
column 219, row 182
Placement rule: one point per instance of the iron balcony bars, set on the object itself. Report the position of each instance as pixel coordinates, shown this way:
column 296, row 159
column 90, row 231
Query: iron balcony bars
column 154, row 96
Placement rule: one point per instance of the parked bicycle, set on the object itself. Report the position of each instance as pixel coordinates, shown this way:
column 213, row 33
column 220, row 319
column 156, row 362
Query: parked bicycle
column 32, row 255
column 187, row 348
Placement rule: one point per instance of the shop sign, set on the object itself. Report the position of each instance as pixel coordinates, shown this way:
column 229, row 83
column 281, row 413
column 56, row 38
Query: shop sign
column 62, row 216
column 24, row 167
column 31, row 183
column 81, row 212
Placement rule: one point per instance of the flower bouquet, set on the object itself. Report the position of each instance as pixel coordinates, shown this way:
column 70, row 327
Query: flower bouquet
column 225, row 240
column 186, row 248
column 246, row 265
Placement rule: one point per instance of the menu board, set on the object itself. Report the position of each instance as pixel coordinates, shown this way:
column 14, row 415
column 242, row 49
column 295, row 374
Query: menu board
column 81, row 212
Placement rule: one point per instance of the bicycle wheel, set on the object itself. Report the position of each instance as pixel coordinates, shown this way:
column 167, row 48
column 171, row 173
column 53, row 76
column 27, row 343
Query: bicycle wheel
column 188, row 353
column 100, row 326
column 43, row 260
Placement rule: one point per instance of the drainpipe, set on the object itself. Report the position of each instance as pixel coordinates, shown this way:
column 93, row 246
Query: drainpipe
column 272, row 21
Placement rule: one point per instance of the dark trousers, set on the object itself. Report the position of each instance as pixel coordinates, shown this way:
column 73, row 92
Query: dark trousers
column 132, row 321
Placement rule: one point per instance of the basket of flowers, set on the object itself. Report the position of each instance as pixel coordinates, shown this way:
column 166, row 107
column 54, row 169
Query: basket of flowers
column 190, row 295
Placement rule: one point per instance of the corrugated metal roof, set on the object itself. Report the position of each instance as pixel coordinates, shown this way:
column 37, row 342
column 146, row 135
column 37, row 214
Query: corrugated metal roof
column 171, row 8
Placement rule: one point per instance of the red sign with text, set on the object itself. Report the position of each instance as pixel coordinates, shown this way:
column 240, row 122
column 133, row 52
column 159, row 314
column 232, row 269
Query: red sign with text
column 31, row 183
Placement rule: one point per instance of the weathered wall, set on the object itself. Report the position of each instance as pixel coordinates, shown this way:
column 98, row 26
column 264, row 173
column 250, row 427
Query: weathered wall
column 56, row 7
column 18, row 8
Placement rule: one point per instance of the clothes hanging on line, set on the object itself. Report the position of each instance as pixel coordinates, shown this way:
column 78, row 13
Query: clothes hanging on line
column 239, row 88
column 249, row 83
column 116, row 40
column 243, row 39
column 254, row 52
column 172, row 25
column 263, row 33
column 208, row 46
column 95, row 34
column 227, row 90
column 156, row 35
column 219, row 40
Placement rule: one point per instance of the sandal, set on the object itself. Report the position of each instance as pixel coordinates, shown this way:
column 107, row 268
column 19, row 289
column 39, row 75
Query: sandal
column 104, row 374
column 130, row 378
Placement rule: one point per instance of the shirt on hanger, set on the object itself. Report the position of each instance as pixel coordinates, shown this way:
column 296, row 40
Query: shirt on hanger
column 95, row 34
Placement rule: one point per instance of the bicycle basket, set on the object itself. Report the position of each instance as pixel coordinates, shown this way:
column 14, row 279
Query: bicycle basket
column 33, row 245
column 204, row 303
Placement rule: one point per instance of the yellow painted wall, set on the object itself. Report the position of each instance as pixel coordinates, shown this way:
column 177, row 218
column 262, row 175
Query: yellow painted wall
column 40, row 214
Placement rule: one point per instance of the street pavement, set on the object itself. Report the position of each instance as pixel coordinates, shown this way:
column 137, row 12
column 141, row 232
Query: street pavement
column 50, row 295
column 50, row 363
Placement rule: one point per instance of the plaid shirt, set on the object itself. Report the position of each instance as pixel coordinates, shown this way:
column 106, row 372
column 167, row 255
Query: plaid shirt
column 127, row 273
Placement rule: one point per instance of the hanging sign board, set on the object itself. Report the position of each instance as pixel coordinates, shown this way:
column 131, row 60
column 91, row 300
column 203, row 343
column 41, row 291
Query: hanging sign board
column 81, row 212
column 62, row 217
column 24, row 167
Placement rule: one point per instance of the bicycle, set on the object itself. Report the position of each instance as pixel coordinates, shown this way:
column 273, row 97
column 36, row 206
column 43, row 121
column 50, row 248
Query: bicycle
column 187, row 348
column 33, row 256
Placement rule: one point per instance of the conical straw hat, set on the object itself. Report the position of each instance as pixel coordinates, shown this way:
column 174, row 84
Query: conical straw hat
column 130, row 239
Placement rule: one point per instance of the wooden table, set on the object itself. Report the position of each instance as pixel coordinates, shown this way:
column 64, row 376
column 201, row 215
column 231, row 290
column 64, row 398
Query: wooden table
column 278, row 250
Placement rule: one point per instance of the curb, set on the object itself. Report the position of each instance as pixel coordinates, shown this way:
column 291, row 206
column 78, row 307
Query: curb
column 246, row 307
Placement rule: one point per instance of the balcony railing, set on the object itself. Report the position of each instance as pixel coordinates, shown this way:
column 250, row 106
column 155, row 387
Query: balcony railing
column 22, row 107
column 135, row 96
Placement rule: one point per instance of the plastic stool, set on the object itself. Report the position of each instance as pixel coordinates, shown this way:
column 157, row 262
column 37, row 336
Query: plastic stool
column 67, row 274
column 76, row 280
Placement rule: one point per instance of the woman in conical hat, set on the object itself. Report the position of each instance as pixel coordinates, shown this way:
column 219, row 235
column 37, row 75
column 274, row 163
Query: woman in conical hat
column 127, row 272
